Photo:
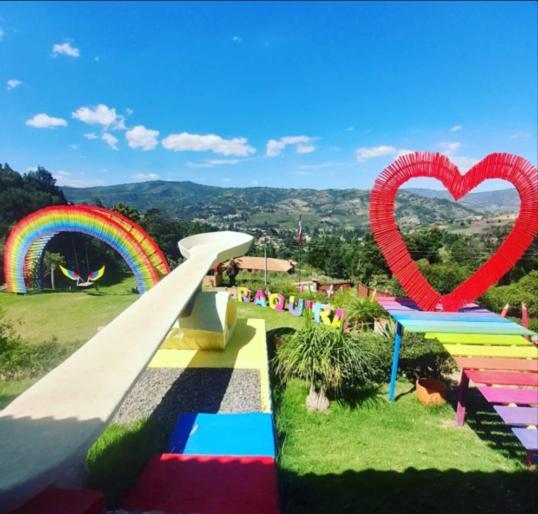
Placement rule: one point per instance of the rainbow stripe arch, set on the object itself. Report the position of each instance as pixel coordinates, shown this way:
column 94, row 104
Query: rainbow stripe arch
column 27, row 240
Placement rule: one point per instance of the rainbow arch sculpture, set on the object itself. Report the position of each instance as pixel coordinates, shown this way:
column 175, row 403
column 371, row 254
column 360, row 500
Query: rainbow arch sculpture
column 27, row 240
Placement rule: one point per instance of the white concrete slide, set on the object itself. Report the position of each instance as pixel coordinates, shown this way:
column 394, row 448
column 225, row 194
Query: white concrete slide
column 49, row 428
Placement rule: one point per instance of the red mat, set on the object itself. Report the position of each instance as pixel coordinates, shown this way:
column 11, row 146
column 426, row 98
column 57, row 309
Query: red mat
column 63, row 501
column 208, row 485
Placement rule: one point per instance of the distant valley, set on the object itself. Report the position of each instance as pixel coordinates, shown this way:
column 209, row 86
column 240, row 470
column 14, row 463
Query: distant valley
column 245, row 208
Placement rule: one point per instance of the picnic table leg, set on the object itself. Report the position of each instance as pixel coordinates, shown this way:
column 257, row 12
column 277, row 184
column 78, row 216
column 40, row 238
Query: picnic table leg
column 462, row 398
column 395, row 358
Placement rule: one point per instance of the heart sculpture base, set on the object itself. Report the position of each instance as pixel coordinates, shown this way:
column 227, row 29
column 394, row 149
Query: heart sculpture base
column 521, row 173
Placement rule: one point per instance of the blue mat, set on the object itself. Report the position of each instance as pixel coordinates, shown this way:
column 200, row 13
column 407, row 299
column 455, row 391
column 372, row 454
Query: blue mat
column 249, row 434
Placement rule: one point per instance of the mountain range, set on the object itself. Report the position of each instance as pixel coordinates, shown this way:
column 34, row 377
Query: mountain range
column 243, row 208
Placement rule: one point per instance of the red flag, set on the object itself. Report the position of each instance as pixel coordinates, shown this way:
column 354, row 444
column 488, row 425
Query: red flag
column 300, row 240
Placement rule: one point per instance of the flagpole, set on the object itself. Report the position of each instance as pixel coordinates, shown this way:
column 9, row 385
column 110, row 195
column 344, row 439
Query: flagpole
column 300, row 244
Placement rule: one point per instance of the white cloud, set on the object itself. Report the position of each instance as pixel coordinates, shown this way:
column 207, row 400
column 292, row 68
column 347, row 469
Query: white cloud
column 65, row 49
column 237, row 39
column 145, row 176
column 456, row 128
column 449, row 148
column 73, row 147
column 305, row 148
column 192, row 164
column 220, row 162
column 110, row 140
column 90, row 135
column 13, row 83
column 66, row 178
column 403, row 151
column 365, row 153
column 211, row 163
column 1, row 33
column 254, row 182
column 141, row 137
column 43, row 120
column 275, row 146
column 184, row 142
column 226, row 179
column 520, row 135
column 100, row 115
column 129, row 111
column 462, row 162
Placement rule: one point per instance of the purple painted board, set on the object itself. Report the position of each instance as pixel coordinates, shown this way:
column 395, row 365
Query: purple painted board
column 518, row 415
column 528, row 437
column 507, row 395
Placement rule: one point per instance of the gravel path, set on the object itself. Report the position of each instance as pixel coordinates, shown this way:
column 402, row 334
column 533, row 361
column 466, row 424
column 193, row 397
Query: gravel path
column 163, row 393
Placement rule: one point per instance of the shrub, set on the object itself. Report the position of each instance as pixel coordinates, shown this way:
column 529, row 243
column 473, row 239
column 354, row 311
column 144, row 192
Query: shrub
column 331, row 361
column 19, row 360
column 361, row 312
column 421, row 357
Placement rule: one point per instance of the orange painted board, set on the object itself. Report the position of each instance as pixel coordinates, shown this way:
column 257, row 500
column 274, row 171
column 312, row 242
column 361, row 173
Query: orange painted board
column 493, row 363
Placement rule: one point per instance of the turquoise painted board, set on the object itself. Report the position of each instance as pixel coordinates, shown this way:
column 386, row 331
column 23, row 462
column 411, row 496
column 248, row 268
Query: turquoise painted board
column 434, row 317
column 464, row 328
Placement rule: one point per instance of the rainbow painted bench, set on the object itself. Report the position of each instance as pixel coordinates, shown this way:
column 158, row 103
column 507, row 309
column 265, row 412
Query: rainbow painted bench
column 493, row 352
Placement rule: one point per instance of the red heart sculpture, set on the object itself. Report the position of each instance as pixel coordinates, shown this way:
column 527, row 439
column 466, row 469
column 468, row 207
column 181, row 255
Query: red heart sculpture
column 521, row 173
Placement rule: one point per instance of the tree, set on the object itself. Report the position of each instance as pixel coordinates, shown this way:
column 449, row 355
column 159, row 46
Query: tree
column 52, row 261
column 127, row 211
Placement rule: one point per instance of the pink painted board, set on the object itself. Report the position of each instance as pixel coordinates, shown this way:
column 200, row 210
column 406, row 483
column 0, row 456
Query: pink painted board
column 507, row 395
column 514, row 378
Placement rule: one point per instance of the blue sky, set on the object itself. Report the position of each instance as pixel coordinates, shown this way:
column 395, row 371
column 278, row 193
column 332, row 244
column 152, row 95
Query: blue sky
column 270, row 94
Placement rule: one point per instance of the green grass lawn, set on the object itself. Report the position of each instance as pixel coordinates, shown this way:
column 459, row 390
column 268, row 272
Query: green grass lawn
column 66, row 316
column 375, row 457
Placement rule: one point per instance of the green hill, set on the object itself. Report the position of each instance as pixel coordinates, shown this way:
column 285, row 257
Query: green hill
column 244, row 208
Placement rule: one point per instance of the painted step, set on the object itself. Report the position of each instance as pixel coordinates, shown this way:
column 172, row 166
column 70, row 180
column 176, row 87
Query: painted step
column 493, row 363
column 64, row 501
column 528, row 437
column 507, row 395
column 503, row 378
column 479, row 339
column 475, row 350
column 249, row 434
column 518, row 415
column 206, row 485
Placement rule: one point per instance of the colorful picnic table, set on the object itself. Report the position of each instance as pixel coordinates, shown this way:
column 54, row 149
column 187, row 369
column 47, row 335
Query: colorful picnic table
column 493, row 352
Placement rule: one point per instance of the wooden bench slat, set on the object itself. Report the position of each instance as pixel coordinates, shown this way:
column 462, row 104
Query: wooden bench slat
column 518, row 415
column 514, row 378
column 492, row 339
column 494, row 363
column 473, row 350
column 507, row 395
column 461, row 327
column 528, row 437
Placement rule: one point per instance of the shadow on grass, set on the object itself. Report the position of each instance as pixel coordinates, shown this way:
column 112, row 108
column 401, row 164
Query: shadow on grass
column 427, row 491
column 488, row 425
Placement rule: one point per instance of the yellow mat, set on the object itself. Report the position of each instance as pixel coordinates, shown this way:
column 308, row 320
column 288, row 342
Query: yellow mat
column 246, row 349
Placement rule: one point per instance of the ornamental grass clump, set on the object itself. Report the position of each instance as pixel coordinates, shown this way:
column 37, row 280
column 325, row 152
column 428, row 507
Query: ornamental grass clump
column 331, row 361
